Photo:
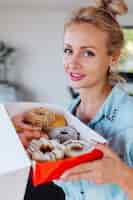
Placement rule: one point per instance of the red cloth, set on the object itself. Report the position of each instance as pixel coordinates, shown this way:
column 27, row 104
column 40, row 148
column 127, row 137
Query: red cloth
column 48, row 171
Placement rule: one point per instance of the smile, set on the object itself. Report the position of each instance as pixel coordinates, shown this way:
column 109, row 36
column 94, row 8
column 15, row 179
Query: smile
column 76, row 77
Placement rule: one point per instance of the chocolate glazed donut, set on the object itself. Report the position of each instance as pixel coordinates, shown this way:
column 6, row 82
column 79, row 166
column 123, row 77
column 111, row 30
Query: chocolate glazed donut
column 63, row 134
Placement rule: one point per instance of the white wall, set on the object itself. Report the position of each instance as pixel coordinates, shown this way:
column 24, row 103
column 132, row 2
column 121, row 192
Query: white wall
column 37, row 34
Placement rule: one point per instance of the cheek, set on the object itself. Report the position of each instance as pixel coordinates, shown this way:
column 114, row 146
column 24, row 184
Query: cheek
column 95, row 65
column 65, row 64
column 96, row 70
column 89, row 63
column 65, row 67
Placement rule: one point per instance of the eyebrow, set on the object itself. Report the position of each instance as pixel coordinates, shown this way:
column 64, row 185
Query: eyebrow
column 88, row 47
column 83, row 47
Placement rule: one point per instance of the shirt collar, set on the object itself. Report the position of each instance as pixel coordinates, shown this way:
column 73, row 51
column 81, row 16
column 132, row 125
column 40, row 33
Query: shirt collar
column 110, row 106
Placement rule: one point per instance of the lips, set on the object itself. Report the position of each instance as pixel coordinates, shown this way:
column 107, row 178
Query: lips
column 76, row 76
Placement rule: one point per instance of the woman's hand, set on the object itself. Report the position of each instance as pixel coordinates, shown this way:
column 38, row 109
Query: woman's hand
column 110, row 169
column 25, row 131
column 27, row 136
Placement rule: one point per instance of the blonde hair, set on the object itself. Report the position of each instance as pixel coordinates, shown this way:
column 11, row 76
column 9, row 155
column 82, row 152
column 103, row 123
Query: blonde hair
column 103, row 16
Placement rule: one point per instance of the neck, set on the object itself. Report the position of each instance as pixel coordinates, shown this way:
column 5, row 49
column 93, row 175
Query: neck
column 91, row 101
column 93, row 96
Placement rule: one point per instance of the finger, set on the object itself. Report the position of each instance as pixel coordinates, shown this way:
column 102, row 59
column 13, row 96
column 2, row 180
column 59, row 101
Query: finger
column 77, row 169
column 31, row 134
column 107, row 151
column 26, row 137
column 36, row 134
column 82, row 168
column 70, row 178
column 73, row 177
column 82, row 176
column 23, row 140
column 89, row 176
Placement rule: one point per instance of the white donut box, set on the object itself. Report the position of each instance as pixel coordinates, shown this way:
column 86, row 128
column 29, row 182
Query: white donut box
column 15, row 164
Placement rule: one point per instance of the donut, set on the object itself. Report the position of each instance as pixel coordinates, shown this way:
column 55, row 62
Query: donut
column 59, row 121
column 20, row 124
column 44, row 118
column 77, row 147
column 40, row 117
column 63, row 134
column 45, row 150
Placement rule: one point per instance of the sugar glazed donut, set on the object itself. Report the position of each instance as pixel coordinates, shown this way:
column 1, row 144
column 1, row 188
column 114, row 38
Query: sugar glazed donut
column 63, row 134
column 77, row 147
column 44, row 118
column 45, row 150
column 40, row 117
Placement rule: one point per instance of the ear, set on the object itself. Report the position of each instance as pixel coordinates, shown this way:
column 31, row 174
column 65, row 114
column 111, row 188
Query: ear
column 115, row 57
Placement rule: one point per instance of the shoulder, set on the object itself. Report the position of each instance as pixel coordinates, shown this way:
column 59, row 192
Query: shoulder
column 120, row 107
column 125, row 105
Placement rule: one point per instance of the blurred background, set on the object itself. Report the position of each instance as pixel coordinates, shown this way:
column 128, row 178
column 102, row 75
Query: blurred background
column 31, row 50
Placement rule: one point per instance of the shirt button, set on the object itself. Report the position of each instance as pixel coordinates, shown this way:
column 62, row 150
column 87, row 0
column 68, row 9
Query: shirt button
column 82, row 192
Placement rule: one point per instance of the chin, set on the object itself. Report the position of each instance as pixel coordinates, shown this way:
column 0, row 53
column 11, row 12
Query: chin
column 77, row 86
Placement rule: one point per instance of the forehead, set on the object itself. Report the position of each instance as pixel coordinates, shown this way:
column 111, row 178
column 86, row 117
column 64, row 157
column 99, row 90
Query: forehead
column 84, row 34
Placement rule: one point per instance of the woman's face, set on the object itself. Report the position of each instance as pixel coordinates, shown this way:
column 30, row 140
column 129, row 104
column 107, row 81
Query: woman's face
column 86, row 60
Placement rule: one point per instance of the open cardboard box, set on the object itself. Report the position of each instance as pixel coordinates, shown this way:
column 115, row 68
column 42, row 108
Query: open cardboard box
column 14, row 163
column 48, row 171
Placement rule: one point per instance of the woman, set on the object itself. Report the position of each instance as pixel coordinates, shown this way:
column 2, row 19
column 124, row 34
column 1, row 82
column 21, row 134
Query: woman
column 93, row 41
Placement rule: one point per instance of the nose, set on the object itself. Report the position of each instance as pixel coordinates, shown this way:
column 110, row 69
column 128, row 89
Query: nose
column 72, row 62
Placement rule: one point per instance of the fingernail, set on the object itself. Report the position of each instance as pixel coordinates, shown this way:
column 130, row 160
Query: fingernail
column 63, row 176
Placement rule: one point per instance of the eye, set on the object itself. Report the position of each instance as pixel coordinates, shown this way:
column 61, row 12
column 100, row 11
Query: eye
column 88, row 53
column 68, row 51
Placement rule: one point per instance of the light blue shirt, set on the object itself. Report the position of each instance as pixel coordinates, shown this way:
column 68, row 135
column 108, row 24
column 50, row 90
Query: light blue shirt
column 114, row 121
